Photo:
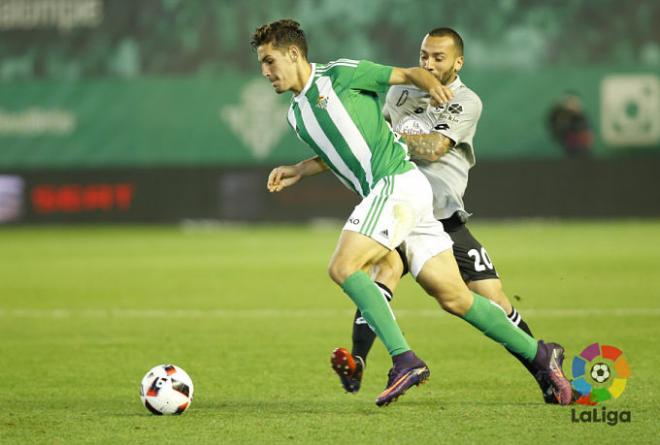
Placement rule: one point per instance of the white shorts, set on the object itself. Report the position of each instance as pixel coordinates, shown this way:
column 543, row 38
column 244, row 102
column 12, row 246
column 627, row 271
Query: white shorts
column 399, row 210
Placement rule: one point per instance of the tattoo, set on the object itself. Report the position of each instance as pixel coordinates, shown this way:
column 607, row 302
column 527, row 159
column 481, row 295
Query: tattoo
column 427, row 147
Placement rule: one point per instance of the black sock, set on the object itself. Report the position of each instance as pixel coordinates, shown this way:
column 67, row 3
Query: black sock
column 522, row 325
column 363, row 335
column 516, row 319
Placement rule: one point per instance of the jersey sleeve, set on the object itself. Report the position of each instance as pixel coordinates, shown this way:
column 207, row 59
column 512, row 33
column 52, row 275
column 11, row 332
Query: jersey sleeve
column 371, row 76
column 459, row 119
column 396, row 95
column 387, row 113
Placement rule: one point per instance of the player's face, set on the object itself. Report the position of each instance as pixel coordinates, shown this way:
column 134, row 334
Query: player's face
column 440, row 57
column 277, row 66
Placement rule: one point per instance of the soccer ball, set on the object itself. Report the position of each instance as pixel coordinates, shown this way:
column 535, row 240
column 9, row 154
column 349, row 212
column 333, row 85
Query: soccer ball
column 600, row 372
column 166, row 389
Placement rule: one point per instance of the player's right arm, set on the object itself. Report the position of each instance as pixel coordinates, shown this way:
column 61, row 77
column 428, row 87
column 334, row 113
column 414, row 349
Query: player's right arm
column 287, row 175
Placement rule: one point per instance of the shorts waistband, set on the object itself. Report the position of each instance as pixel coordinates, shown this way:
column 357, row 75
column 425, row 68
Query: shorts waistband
column 453, row 223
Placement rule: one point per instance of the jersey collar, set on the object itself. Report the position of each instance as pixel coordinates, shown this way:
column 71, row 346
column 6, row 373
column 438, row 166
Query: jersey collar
column 308, row 85
column 456, row 84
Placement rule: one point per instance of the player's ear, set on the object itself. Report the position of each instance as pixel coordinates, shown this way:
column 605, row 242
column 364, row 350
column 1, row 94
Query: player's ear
column 294, row 53
column 458, row 63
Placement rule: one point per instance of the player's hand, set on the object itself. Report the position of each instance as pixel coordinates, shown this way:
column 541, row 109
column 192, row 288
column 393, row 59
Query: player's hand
column 440, row 95
column 282, row 177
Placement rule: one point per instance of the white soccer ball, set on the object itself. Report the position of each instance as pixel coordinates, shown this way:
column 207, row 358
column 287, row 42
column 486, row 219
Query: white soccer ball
column 166, row 389
column 600, row 372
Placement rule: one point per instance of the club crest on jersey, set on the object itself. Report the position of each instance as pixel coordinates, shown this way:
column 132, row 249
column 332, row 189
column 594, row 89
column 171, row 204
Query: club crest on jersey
column 455, row 108
column 322, row 102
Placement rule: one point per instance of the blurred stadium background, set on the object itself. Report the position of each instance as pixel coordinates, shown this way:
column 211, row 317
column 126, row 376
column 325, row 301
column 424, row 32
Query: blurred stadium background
column 154, row 111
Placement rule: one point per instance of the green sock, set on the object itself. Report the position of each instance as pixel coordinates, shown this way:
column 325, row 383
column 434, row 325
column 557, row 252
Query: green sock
column 490, row 319
column 376, row 311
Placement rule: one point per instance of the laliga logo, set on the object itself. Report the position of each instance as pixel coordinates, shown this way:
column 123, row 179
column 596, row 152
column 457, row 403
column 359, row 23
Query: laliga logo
column 600, row 373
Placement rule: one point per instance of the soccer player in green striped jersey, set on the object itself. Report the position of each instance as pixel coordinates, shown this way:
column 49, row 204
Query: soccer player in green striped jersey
column 335, row 110
column 409, row 111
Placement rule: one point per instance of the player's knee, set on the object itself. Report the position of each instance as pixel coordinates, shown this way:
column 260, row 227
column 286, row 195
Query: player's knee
column 455, row 305
column 454, row 300
column 339, row 271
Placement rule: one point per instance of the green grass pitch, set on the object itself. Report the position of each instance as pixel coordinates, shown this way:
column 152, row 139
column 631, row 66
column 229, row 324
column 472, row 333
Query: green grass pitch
column 250, row 313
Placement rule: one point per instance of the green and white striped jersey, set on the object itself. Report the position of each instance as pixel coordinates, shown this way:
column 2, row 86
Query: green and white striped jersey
column 338, row 115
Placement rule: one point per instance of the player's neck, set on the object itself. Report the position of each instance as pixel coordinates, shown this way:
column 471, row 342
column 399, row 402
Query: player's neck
column 303, row 72
column 451, row 79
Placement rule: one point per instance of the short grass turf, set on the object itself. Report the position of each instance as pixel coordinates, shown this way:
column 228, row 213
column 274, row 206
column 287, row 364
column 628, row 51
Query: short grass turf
column 250, row 313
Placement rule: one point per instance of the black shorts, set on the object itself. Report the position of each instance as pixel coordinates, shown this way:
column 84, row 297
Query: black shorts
column 472, row 258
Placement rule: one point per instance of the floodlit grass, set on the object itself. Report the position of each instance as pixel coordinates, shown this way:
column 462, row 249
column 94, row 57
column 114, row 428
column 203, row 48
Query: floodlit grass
column 250, row 313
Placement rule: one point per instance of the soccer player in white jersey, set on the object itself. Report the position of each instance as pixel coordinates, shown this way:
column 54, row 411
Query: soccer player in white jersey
column 335, row 110
column 446, row 164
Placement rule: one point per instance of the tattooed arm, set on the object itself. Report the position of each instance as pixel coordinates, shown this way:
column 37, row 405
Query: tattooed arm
column 427, row 147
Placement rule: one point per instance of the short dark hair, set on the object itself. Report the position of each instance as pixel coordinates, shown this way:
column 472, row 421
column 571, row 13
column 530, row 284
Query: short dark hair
column 280, row 33
column 448, row 32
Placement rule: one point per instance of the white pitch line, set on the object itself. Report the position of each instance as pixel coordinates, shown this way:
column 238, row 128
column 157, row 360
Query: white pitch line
column 299, row 313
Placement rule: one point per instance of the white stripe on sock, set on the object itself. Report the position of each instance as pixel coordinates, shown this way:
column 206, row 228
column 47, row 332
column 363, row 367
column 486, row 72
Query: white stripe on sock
column 386, row 294
column 360, row 320
column 515, row 317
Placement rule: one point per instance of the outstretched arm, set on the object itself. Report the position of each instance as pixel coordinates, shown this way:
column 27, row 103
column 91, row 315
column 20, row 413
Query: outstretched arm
column 287, row 175
column 421, row 78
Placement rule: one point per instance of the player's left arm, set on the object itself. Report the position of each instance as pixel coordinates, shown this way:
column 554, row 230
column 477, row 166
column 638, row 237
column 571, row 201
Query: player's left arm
column 427, row 147
column 378, row 78
column 453, row 127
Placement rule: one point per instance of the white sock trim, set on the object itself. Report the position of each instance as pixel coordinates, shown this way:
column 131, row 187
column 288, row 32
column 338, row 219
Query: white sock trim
column 515, row 317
